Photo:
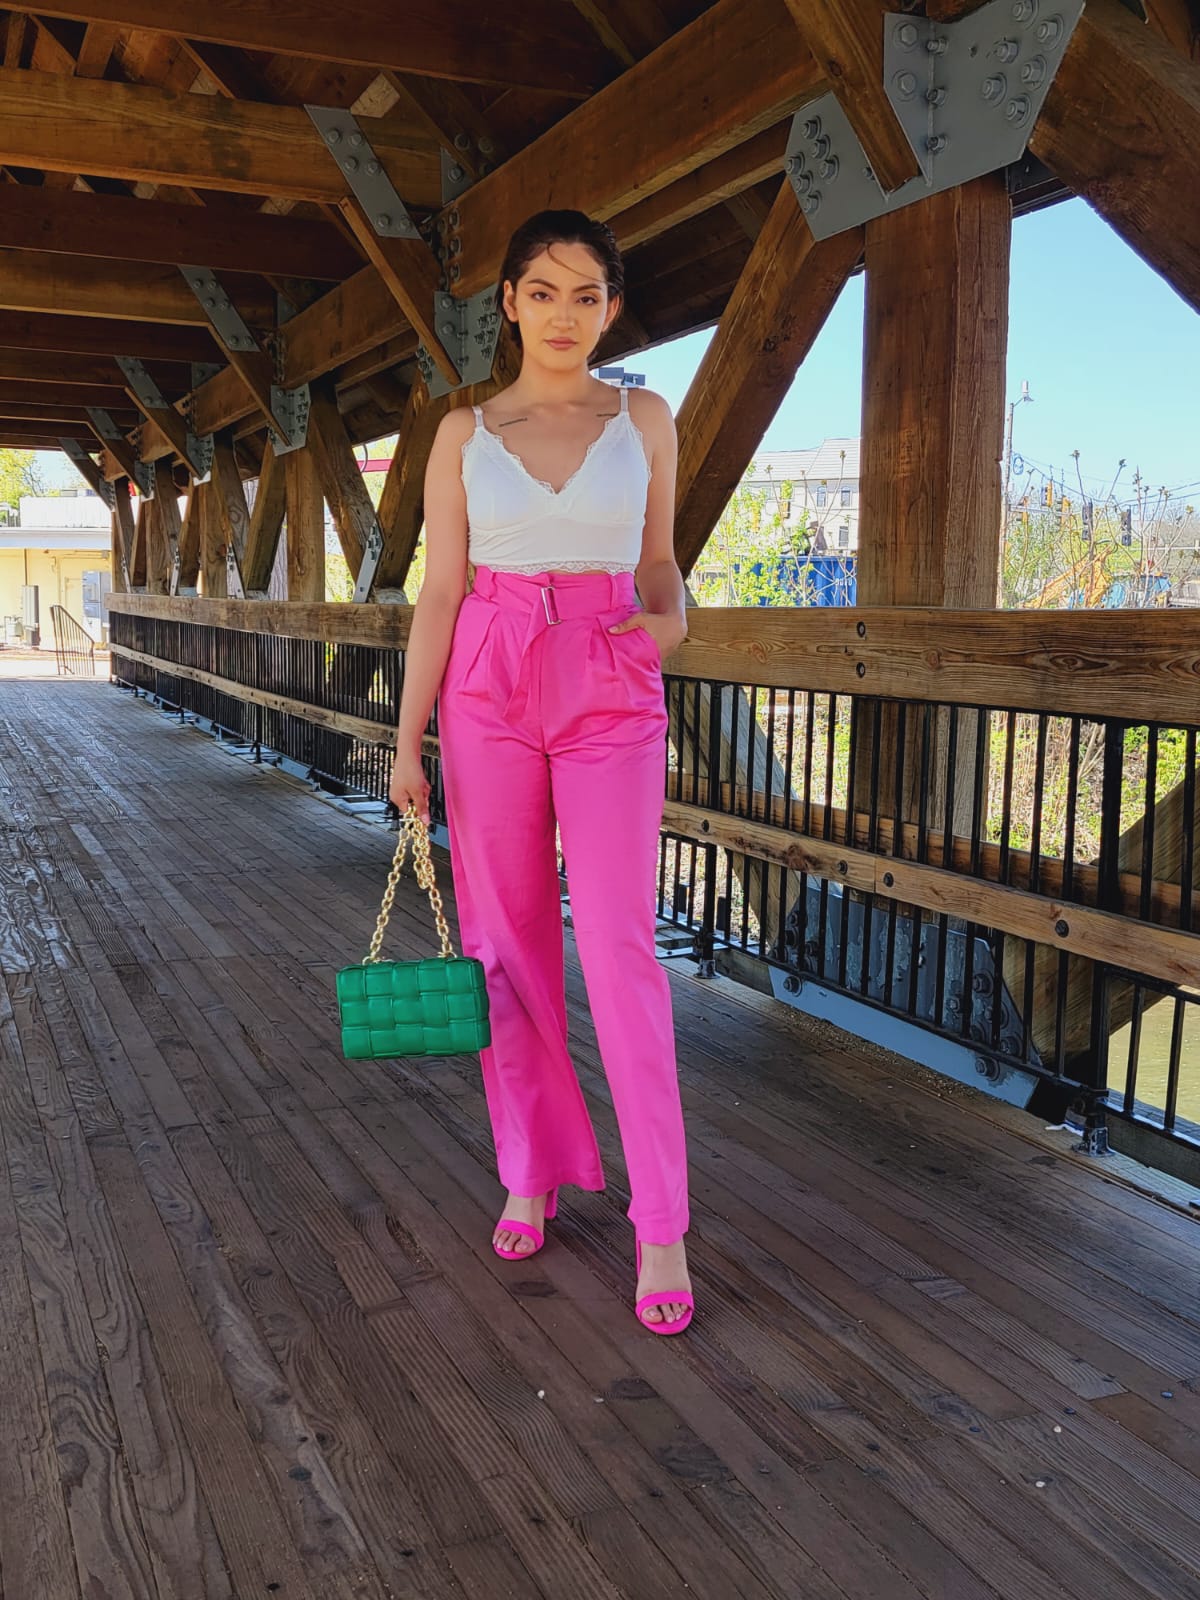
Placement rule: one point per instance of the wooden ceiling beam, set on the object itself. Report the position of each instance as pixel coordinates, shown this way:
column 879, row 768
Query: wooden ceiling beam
column 130, row 131
column 14, row 391
column 846, row 38
column 48, row 411
column 84, row 371
column 1121, row 126
column 737, row 70
column 125, row 229
column 48, row 441
column 39, row 281
column 57, row 430
column 532, row 46
column 729, row 175
column 105, row 336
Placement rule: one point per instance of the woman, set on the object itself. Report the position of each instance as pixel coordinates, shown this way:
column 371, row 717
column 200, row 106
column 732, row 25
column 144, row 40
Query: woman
column 548, row 677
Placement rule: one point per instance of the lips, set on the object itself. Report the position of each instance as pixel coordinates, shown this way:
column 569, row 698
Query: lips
column 561, row 344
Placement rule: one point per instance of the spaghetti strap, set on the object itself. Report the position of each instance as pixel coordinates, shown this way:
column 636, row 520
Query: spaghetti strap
column 624, row 393
column 478, row 410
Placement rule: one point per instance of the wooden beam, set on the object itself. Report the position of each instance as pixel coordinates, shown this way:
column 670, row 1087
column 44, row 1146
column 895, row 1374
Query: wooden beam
column 720, row 180
column 214, row 569
column 123, row 229
column 38, row 280
column 233, row 516
column 46, row 411
column 1121, row 125
column 341, row 481
column 138, row 549
column 628, row 29
column 121, row 130
column 189, row 538
column 305, row 527
column 33, row 429
column 104, row 336
column 91, row 372
column 846, row 38
column 90, row 473
column 122, row 536
column 266, row 522
column 1178, row 21
column 933, row 399
column 734, row 72
column 410, row 270
column 167, row 525
column 789, row 286
column 533, row 46
column 19, row 391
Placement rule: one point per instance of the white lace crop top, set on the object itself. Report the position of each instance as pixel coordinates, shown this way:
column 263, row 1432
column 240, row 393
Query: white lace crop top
column 518, row 523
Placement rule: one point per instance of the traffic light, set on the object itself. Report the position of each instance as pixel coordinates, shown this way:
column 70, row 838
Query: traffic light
column 1087, row 519
column 1127, row 526
column 1049, row 494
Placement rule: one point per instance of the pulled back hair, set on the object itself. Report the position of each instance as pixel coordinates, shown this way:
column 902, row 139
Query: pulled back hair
column 547, row 228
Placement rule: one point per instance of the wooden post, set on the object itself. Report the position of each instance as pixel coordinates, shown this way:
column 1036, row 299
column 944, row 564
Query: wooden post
column 213, row 565
column 305, row 527
column 123, row 537
column 266, row 521
column 166, row 516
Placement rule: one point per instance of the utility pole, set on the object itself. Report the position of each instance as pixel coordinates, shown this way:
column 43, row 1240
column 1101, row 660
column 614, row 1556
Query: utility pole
column 1008, row 449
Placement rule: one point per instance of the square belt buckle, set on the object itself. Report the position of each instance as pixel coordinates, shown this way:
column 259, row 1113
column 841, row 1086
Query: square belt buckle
column 550, row 605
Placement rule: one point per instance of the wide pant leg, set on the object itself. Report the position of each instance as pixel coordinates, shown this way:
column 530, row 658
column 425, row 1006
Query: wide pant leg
column 504, row 863
column 608, row 772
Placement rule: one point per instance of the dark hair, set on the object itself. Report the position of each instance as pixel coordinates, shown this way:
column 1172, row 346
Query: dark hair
column 545, row 228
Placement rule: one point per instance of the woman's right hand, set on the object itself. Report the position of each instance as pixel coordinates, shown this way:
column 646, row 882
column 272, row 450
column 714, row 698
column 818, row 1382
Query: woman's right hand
column 408, row 782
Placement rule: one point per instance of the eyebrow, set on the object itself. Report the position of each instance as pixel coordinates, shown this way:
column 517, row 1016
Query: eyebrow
column 546, row 284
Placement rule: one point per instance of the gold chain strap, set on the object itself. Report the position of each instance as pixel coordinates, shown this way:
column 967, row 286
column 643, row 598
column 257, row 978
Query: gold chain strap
column 412, row 826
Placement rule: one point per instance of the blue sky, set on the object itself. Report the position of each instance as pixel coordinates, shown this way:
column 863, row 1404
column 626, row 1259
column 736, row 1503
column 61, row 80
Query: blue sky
column 1110, row 352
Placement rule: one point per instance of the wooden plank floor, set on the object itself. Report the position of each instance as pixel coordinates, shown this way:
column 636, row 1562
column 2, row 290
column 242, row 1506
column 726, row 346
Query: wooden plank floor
column 253, row 1341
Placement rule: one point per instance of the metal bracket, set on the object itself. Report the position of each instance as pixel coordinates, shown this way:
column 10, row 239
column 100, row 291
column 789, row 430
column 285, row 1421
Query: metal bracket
column 966, row 94
column 143, row 476
column 456, row 179
column 220, row 310
column 104, row 425
column 198, row 451
column 77, row 454
column 364, row 172
column 291, row 408
column 370, row 562
column 469, row 330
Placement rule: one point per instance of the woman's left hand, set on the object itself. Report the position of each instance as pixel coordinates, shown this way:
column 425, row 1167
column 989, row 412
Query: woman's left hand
column 667, row 630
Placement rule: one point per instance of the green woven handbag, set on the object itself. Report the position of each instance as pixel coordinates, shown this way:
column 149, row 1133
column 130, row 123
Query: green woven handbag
column 437, row 1007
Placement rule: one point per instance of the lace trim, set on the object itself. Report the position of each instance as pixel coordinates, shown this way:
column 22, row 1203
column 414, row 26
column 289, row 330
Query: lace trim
column 529, row 571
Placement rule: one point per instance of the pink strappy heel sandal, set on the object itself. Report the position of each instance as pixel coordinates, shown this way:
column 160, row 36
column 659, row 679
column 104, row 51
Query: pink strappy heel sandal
column 664, row 1297
column 526, row 1230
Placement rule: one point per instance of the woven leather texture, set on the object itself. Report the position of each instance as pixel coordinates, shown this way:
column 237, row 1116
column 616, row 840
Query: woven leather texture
column 437, row 1007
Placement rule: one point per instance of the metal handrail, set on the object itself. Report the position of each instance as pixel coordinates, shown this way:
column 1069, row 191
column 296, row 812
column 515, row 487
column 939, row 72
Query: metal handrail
column 74, row 647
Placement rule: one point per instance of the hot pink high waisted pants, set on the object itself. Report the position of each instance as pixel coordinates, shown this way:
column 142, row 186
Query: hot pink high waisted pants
column 544, row 715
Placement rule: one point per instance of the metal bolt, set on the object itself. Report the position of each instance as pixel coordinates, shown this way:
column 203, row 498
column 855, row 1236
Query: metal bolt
column 455, row 271
column 357, row 140
column 1008, row 50
column 1025, row 10
column 1061, row 928
column 938, row 45
column 223, row 305
column 452, row 218
column 994, row 88
column 1034, row 71
column 810, row 203
column 334, row 136
column 907, row 35
column 935, row 142
column 861, row 669
column 1017, row 111
column 456, row 174
column 351, row 164
column 792, row 985
column 822, row 145
column 210, row 303
column 861, row 630
column 446, row 329
column 487, row 146
column 1050, row 31
column 936, row 97
column 372, row 169
column 383, row 220
column 829, row 168
column 804, row 182
column 792, row 164
column 843, row 868
column 889, row 880
column 906, row 84
column 812, row 127
column 447, row 301
column 462, row 141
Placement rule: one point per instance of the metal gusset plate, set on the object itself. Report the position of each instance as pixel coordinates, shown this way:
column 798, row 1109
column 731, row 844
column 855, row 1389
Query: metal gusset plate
column 77, row 454
column 198, row 452
column 370, row 563
column 469, row 330
column 290, row 407
column 220, row 310
column 966, row 94
column 364, row 172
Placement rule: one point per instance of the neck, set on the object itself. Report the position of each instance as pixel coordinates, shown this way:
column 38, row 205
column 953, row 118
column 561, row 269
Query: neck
column 543, row 386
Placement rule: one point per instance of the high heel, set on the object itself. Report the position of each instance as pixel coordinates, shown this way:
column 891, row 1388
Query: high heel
column 526, row 1230
column 664, row 1297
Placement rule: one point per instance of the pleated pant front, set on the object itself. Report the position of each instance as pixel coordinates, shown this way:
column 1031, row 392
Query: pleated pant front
column 545, row 716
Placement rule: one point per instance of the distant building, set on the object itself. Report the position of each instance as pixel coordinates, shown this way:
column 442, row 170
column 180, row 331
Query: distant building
column 54, row 550
column 825, row 488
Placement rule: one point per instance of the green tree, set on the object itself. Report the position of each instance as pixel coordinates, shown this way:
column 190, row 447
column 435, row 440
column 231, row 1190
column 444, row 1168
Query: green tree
column 753, row 549
column 18, row 475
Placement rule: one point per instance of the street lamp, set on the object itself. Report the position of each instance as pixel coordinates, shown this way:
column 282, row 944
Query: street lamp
column 1008, row 447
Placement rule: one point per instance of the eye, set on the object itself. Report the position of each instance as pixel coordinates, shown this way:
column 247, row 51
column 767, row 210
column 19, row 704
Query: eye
column 590, row 299
column 540, row 294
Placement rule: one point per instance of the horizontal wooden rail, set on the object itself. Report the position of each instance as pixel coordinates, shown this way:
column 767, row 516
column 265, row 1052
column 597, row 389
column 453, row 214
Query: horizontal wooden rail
column 1143, row 666
column 1124, row 942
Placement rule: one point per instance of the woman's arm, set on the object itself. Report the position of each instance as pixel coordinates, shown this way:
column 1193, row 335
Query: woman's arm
column 659, row 580
column 438, row 604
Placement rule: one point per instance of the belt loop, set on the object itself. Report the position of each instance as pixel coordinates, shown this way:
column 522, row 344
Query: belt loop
column 614, row 591
column 550, row 605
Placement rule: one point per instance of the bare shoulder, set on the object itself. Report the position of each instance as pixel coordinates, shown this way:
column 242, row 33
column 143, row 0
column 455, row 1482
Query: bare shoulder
column 456, row 427
column 651, row 412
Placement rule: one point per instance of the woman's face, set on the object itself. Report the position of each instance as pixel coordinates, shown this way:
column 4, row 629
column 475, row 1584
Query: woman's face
column 562, row 306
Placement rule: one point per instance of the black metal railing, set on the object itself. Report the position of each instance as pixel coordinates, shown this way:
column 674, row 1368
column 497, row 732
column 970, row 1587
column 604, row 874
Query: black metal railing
column 1022, row 885
column 74, row 647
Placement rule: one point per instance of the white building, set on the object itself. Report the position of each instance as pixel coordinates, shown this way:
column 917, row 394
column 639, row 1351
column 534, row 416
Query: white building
column 824, row 489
